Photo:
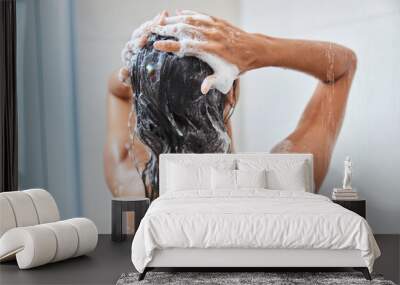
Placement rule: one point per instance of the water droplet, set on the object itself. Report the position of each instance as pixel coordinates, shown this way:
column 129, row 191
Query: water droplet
column 150, row 68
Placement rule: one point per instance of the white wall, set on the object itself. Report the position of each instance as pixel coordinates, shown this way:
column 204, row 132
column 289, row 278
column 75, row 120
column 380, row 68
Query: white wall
column 102, row 28
column 275, row 98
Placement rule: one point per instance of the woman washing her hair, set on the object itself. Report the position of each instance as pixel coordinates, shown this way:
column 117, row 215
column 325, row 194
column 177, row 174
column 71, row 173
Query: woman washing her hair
column 182, row 83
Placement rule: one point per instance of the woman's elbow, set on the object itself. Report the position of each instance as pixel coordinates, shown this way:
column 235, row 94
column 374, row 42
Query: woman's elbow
column 351, row 60
column 348, row 66
column 117, row 88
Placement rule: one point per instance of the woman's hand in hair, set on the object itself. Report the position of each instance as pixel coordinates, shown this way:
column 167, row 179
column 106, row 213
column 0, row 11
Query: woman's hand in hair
column 142, row 33
column 137, row 41
column 198, row 33
column 201, row 35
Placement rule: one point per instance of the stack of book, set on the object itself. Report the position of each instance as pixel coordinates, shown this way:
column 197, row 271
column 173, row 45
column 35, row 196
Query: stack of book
column 344, row 194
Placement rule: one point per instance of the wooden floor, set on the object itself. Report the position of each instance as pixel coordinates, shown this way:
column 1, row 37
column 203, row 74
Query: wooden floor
column 110, row 260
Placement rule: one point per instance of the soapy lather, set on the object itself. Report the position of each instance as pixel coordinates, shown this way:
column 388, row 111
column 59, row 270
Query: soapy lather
column 189, row 40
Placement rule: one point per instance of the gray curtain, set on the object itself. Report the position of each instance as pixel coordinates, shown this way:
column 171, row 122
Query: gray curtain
column 8, row 98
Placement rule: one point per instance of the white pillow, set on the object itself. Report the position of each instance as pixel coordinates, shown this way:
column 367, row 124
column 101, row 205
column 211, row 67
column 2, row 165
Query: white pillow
column 181, row 177
column 290, row 179
column 251, row 178
column 282, row 174
column 223, row 179
column 236, row 179
column 191, row 174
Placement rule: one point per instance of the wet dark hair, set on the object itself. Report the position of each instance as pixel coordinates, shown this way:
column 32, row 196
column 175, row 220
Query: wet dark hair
column 172, row 115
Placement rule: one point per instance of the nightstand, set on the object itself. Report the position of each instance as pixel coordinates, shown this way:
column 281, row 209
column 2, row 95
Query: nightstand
column 357, row 206
column 126, row 204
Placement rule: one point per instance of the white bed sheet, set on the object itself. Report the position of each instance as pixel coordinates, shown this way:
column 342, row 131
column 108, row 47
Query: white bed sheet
column 250, row 218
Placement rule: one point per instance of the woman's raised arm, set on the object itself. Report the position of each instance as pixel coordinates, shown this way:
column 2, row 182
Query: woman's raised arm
column 321, row 121
column 332, row 64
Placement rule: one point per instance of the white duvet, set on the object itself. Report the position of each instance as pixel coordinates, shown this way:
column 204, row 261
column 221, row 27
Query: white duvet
column 250, row 218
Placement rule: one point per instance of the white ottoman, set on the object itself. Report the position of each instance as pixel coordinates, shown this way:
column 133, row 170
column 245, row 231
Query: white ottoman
column 31, row 232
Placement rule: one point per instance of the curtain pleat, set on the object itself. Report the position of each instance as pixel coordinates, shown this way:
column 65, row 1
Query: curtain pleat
column 8, row 98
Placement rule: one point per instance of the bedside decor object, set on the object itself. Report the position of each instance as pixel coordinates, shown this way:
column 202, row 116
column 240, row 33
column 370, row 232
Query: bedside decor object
column 31, row 231
column 346, row 192
column 348, row 165
column 121, row 207
column 357, row 206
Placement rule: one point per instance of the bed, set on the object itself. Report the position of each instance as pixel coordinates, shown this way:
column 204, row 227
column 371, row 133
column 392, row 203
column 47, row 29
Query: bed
column 247, row 210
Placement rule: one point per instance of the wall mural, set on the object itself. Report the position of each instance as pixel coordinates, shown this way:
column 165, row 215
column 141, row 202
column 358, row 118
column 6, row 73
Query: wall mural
column 179, row 86
column 92, row 123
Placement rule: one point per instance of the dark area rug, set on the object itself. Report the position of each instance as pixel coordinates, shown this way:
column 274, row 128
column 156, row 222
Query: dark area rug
column 273, row 278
